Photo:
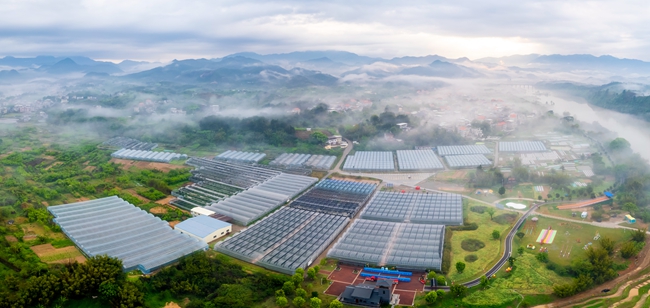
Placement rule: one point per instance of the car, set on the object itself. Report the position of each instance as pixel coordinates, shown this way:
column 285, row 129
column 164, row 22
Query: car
column 605, row 290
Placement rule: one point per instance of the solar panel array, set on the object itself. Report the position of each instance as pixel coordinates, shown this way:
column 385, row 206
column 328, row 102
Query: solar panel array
column 415, row 160
column 111, row 226
column 522, row 146
column 163, row 157
column 380, row 243
column 322, row 162
column 128, row 143
column 467, row 161
column 421, row 208
column 242, row 176
column 370, row 161
column 335, row 197
column 256, row 202
column 445, row 150
column 240, row 157
column 288, row 239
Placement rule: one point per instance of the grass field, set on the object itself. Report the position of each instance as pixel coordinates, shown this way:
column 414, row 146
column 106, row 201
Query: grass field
column 488, row 254
column 570, row 239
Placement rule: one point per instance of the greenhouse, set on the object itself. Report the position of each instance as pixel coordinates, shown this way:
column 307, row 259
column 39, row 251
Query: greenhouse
column 421, row 208
column 335, row 197
column 381, row 243
column 202, row 194
column 240, row 157
column 291, row 160
column 285, row 240
column 288, row 185
column 162, row 157
column 243, row 176
column 111, row 226
column 467, row 161
column 128, row 143
column 321, row 162
column 370, row 161
column 418, row 160
column 522, row 146
column 445, row 150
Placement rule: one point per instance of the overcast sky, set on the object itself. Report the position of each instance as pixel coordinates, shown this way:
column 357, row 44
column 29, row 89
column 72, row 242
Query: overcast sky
column 161, row 30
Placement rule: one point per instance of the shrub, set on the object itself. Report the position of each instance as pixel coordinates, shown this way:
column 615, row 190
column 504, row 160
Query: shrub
column 472, row 245
column 505, row 219
column 478, row 209
column 466, row 227
column 471, row 258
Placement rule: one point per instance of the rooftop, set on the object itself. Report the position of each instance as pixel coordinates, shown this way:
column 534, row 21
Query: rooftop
column 201, row 226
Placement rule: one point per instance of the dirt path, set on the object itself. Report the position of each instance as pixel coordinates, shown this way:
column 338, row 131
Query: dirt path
column 641, row 301
column 633, row 292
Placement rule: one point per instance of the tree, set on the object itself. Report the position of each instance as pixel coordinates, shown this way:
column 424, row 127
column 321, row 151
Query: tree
column 520, row 234
column 431, row 297
column 619, row 144
column 539, row 198
column 629, row 250
column 542, row 257
column 496, row 234
column 490, row 212
column 299, row 301
column 297, row 279
column 336, row 304
column 316, row 268
column 639, row 235
column 300, row 271
column 315, row 302
column 520, row 250
column 440, row 280
column 317, row 138
column 280, row 293
column 129, row 296
column 441, row 293
column 502, row 190
column 460, row 266
column 458, row 290
column 288, row 287
column 607, row 244
column 311, row 273
column 512, row 260
column 432, row 275
column 281, row 301
column 233, row 295
column 484, row 282
column 301, row 292
column 564, row 290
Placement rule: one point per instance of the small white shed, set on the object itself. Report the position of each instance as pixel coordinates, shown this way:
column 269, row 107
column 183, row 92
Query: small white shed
column 584, row 215
column 204, row 228
column 198, row 211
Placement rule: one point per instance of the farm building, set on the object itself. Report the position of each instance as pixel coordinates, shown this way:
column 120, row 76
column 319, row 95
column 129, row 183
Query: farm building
column 240, row 157
column 521, row 146
column 145, row 155
column 370, row 294
column 381, row 243
column 421, row 208
column 286, row 240
column 204, row 228
column 418, row 160
column 111, row 226
column 370, row 161
column 198, row 211
column 445, row 150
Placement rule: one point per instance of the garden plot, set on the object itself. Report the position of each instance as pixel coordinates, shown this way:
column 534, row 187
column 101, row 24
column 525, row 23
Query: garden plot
column 48, row 254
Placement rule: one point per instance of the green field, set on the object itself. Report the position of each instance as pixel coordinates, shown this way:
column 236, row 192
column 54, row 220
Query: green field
column 488, row 255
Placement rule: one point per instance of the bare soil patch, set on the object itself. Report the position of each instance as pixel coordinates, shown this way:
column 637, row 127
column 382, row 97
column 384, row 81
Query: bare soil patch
column 174, row 223
column 11, row 239
column 127, row 164
column 48, row 254
column 56, row 163
column 89, row 168
column 166, row 200
column 172, row 305
column 158, row 210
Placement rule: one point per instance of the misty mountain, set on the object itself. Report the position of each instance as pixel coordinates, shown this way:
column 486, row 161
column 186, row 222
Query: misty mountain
column 574, row 62
column 130, row 66
column 68, row 66
column 9, row 74
column 443, row 69
column 40, row 61
column 408, row 60
column 344, row 57
column 235, row 70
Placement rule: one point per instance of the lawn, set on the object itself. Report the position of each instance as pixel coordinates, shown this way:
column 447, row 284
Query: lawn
column 487, row 255
column 570, row 239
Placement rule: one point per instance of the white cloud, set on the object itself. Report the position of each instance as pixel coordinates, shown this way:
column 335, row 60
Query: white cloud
column 163, row 30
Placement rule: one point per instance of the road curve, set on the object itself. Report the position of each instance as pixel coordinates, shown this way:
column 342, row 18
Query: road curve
column 506, row 253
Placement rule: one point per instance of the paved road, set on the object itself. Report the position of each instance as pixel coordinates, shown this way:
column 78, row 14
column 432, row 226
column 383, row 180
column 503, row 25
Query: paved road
column 347, row 150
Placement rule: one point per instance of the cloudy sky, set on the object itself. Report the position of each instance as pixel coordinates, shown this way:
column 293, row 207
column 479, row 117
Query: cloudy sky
column 161, row 30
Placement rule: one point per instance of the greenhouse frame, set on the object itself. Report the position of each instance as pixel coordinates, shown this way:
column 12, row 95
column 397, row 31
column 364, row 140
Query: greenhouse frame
column 380, row 243
column 285, row 240
column 370, row 161
column 240, row 157
column 128, row 143
column 418, row 160
column 467, row 161
column 202, row 194
column 444, row 150
column 335, row 197
column 243, row 176
column 111, row 226
column 522, row 146
column 321, row 162
column 421, row 208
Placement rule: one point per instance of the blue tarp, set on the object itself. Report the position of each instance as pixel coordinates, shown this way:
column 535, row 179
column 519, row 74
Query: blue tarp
column 402, row 279
column 609, row 194
column 385, row 271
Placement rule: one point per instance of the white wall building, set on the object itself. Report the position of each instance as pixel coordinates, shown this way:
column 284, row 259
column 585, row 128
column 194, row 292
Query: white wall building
column 204, row 228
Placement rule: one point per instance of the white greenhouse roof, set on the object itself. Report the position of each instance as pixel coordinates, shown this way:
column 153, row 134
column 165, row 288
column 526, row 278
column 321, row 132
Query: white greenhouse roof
column 201, row 226
column 423, row 208
column 414, row 160
column 467, row 161
column 145, row 155
column 370, row 161
column 111, row 226
column 445, row 150
column 238, row 156
column 522, row 146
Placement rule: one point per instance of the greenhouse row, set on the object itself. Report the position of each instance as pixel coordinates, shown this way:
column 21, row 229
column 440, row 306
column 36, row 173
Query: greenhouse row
column 321, row 162
column 289, row 160
column 370, row 161
column 243, row 176
column 240, row 157
column 345, row 202
column 201, row 194
column 522, row 146
column 445, row 150
column 163, row 157
column 379, row 243
column 347, row 186
column 248, row 206
column 285, row 240
column 418, row 160
column 128, row 143
column 422, row 208
column 288, row 185
column 111, row 226
column 467, row 161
